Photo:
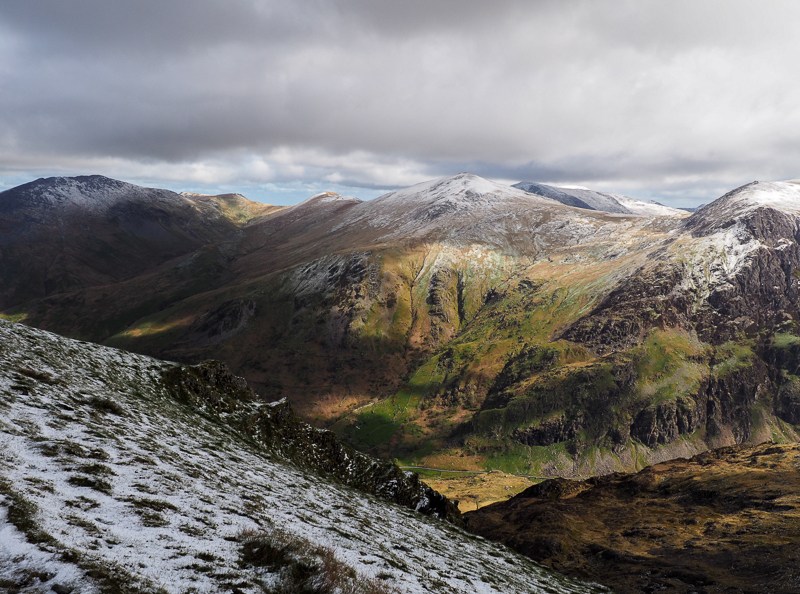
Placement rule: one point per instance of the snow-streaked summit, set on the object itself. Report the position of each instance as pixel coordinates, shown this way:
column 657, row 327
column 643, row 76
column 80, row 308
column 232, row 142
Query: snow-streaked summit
column 779, row 195
column 581, row 197
column 92, row 193
column 462, row 191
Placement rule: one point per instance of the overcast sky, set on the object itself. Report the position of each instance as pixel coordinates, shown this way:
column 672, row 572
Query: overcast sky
column 673, row 100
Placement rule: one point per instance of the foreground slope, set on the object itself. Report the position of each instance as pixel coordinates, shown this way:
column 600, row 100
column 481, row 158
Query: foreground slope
column 725, row 521
column 112, row 480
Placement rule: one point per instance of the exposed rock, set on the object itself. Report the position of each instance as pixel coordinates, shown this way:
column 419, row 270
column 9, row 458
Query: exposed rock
column 224, row 321
column 210, row 387
column 662, row 423
column 549, row 432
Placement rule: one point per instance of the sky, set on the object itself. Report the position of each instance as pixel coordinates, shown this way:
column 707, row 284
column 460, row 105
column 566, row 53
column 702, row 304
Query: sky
column 675, row 101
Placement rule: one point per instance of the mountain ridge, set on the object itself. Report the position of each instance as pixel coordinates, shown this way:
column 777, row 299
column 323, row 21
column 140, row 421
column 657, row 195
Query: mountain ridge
column 585, row 198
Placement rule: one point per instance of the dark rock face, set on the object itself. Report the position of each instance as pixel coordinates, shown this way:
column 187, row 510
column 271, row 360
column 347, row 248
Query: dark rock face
column 665, row 422
column 211, row 388
column 549, row 432
column 787, row 405
column 223, row 321
column 640, row 303
column 730, row 400
column 722, row 403
column 765, row 292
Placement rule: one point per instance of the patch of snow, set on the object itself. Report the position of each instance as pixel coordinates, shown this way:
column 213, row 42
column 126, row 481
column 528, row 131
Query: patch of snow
column 209, row 484
column 783, row 196
column 24, row 563
column 569, row 187
column 650, row 209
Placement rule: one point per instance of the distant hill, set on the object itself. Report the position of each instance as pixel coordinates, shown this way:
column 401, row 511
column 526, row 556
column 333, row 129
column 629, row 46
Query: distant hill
column 60, row 233
column 723, row 521
column 592, row 200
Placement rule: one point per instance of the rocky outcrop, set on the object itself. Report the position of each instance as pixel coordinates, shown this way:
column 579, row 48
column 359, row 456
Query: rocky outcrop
column 210, row 388
column 549, row 432
column 662, row 423
column 742, row 281
column 223, row 322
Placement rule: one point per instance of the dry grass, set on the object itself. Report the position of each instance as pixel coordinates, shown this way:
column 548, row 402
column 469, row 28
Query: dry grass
column 473, row 491
column 727, row 520
column 304, row 567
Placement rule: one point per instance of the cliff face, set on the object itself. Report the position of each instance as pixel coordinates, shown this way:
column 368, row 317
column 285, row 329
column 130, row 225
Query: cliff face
column 724, row 279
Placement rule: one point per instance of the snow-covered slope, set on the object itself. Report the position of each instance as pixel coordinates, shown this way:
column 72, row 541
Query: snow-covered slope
column 466, row 209
column 781, row 196
column 107, row 483
column 94, row 193
column 590, row 199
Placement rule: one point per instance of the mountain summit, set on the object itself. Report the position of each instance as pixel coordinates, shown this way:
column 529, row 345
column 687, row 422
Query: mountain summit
column 589, row 199
column 63, row 233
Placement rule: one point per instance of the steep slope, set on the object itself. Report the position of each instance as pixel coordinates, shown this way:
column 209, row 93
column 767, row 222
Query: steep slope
column 58, row 234
column 728, row 271
column 113, row 479
column 593, row 200
column 724, row 521
column 693, row 349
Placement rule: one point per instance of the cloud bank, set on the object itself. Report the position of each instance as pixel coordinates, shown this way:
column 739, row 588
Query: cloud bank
column 678, row 101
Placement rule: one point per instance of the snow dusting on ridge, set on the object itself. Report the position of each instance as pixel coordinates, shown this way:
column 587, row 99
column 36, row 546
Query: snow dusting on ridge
column 119, row 476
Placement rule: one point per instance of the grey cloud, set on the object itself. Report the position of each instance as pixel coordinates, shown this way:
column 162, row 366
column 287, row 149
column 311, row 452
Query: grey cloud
column 650, row 96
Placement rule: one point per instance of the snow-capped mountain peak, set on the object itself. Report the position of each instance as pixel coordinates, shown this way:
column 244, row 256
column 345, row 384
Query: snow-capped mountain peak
column 581, row 197
column 88, row 193
column 738, row 204
column 781, row 195
column 463, row 190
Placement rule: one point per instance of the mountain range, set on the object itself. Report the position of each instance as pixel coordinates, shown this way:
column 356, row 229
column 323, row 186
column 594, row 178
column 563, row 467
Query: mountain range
column 489, row 336
column 457, row 324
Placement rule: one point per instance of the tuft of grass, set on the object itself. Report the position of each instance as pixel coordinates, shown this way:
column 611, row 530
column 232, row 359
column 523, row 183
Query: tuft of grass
column 103, row 404
column 38, row 375
column 149, row 503
column 90, row 482
column 22, row 514
column 14, row 317
column 150, row 510
column 783, row 340
column 95, row 469
column 303, row 567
